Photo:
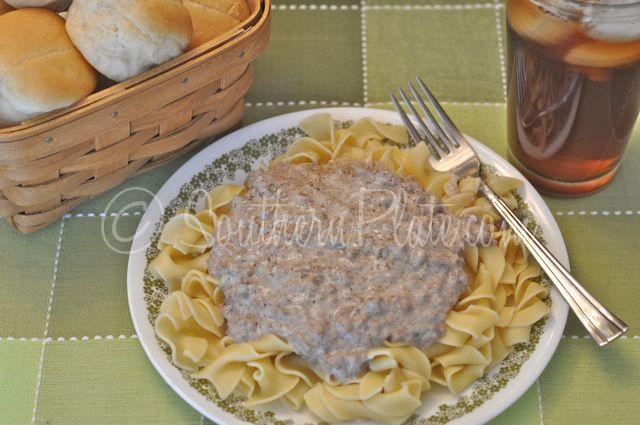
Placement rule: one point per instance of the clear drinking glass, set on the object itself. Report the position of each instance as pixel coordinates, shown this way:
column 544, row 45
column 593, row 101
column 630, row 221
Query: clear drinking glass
column 573, row 89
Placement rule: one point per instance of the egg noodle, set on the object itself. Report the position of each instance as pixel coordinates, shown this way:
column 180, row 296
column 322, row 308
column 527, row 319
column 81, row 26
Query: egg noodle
column 497, row 310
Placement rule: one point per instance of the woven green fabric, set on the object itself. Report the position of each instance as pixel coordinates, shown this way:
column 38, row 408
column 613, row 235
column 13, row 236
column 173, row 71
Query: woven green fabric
column 64, row 283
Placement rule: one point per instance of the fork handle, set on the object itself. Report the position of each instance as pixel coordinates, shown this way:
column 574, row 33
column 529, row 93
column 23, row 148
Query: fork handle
column 602, row 325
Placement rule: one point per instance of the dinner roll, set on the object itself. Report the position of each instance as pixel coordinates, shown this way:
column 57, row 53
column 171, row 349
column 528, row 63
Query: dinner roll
column 40, row 69
column 57, row 5
column 122, row 38
column 213, row 17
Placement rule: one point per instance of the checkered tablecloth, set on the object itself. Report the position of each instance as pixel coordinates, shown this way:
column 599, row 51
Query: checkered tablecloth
column 68, row 350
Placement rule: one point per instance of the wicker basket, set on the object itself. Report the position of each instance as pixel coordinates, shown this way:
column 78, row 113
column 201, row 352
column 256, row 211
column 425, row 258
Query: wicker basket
column 52, row 163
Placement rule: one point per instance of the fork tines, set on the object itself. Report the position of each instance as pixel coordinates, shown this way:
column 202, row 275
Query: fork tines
column 440, row 133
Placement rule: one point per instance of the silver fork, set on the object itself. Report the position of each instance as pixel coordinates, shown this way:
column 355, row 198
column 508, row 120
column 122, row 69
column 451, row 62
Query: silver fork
column 452, row 153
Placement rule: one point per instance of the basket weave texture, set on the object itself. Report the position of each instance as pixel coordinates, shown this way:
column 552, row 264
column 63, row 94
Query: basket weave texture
column 53, row 163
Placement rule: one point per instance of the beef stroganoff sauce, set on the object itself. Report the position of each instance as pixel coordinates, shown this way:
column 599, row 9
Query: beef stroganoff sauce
column 338, row 259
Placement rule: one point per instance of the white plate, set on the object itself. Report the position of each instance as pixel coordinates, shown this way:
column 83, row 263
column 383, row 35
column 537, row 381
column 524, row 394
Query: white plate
column 533, row 365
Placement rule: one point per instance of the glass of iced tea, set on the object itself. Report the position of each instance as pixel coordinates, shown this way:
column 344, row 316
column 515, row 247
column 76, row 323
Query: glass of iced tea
column 573, row 89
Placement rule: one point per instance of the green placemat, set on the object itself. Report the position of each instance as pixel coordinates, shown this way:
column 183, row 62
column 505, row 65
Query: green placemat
column 68, row 353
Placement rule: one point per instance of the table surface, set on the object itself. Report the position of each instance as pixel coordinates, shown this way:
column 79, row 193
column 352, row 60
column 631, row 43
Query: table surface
column 68, row 350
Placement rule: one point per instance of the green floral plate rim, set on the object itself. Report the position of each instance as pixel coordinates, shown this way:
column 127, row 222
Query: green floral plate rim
column 229, row 160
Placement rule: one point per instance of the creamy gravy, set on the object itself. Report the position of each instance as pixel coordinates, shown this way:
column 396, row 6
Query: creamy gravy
column 335, row 298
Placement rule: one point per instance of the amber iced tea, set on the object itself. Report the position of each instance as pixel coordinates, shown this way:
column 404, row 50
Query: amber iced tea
column 573, row 90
